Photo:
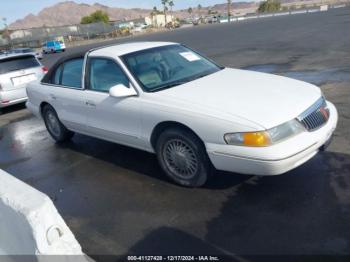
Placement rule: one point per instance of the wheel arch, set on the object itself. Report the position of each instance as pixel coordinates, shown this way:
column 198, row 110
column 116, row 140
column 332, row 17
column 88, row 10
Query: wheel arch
column 162, row 126
column 42, row 105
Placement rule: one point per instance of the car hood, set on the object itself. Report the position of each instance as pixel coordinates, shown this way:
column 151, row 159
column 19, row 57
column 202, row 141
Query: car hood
column 265, row 99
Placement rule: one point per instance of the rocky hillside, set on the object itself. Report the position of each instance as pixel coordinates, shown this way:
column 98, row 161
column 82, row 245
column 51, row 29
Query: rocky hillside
column 67, row 13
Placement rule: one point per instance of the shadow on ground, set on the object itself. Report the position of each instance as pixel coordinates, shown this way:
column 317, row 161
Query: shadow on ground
column 304, row 212
column 139, row 161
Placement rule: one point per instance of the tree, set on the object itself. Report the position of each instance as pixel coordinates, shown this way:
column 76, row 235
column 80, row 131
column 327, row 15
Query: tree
column 96, row 17
column 190, row 10
column 154, row 12
column 269, row 6
column 199, row 8
column 171, row 4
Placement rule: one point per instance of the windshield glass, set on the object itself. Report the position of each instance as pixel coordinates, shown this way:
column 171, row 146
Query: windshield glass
column 167, row 66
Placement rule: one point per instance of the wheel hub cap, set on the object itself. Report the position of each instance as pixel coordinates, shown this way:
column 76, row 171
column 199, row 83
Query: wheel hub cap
column 180, row 158
column 53, row 124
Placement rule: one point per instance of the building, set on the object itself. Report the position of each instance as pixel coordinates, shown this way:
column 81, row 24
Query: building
column 159, row 20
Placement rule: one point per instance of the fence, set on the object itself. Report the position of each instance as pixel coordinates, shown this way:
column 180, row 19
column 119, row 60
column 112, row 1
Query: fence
column 36, row 36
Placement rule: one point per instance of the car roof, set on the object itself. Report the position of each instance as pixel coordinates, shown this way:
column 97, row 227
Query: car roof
column 122, row 49
column 9, row 55
column 106, row 51
column 22, row 48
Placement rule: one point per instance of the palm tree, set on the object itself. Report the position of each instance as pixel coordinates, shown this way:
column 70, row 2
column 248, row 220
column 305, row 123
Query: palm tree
column 199, row 9
column 165, row 8
column 171, row 4
column 190, row 10
column 229, row 3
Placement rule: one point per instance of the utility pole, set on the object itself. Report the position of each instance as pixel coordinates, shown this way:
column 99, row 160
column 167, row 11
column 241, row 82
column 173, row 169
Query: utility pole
column 229, row 2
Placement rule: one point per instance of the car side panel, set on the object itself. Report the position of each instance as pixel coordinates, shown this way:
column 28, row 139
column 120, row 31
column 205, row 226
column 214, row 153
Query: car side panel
column 207, row 127
column 69, row 103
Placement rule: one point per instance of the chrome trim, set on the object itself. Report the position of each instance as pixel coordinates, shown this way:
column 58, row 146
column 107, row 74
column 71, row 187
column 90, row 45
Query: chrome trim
column 315, row 116
column 263, row 160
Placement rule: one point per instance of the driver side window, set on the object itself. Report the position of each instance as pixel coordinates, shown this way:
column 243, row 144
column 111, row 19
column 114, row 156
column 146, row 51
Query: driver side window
column 104, row 74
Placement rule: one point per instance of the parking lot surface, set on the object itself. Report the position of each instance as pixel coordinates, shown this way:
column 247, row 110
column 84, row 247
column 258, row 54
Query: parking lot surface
column 117, row 201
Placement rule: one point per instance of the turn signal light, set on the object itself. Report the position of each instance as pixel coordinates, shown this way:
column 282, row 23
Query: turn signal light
column 256, row 139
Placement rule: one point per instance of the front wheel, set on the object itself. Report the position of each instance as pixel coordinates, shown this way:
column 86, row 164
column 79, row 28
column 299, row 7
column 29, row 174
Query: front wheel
column 54, row 126
column 183, row 157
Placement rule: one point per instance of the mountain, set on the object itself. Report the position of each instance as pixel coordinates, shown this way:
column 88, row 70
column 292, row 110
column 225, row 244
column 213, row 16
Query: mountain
column 69, row 12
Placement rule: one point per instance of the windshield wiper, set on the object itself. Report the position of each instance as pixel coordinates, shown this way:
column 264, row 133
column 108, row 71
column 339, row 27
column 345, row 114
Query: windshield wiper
column 181, row 82
column 176, row 83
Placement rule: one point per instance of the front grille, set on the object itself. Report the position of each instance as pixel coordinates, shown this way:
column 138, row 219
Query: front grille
column 315, row 116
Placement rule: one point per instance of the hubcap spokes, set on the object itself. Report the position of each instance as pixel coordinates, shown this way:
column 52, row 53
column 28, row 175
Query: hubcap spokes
column 180, row 158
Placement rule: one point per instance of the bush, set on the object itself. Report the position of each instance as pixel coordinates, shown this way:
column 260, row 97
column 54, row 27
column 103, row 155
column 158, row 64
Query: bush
column 96, row 17
column 269, row 6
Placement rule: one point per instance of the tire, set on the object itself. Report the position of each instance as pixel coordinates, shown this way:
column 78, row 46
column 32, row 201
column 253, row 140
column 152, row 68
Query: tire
column 183, row 157
column 54, row 126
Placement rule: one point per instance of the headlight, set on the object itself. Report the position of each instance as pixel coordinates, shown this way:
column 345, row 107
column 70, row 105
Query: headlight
column 265, row 138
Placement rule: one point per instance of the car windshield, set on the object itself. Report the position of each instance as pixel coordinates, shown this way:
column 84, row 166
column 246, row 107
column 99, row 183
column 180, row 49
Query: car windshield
column 17, row 63
column 167, row 66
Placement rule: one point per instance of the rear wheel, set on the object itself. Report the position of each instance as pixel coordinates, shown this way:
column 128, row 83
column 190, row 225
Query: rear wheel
column 54, row 126
column 183, row 157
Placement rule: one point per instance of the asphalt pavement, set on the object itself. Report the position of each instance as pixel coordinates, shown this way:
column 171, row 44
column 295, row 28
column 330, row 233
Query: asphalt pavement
column 117, row 201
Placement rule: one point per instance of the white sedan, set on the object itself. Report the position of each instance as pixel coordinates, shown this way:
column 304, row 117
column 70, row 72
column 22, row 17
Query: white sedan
column 167, row 99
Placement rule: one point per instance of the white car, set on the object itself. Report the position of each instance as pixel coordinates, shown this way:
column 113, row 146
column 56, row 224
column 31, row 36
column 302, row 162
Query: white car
column 16, row 71
column 167, row 99
column 38, row 54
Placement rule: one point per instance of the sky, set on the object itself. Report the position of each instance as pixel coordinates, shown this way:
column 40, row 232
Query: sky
column 16, row 9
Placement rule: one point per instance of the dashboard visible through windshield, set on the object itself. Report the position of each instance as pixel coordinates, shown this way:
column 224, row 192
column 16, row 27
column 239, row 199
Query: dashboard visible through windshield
column 167, row 66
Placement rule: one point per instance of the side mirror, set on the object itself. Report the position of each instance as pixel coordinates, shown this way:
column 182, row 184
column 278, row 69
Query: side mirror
column 121, row 91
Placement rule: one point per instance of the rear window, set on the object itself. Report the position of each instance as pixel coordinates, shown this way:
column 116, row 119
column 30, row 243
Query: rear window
column 72, row 73
column 17, row 63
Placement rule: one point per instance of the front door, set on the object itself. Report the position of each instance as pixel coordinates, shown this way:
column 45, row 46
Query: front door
column 111, row 118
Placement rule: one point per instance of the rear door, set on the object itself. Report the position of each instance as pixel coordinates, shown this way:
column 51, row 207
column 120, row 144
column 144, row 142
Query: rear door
column 67, row 96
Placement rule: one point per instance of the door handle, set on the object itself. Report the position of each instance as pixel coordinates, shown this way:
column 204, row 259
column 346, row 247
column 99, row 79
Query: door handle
column 90, row 103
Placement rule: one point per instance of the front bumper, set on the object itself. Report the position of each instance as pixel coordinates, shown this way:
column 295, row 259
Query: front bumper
column 276, row 159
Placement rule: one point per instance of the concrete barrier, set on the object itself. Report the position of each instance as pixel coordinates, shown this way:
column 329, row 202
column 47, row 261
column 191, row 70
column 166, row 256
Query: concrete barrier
column 30, row 223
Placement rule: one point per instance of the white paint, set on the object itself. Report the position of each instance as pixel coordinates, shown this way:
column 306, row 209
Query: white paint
column 242, row 101
column 30, row 223
column 339, row 6
column 298, row 12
